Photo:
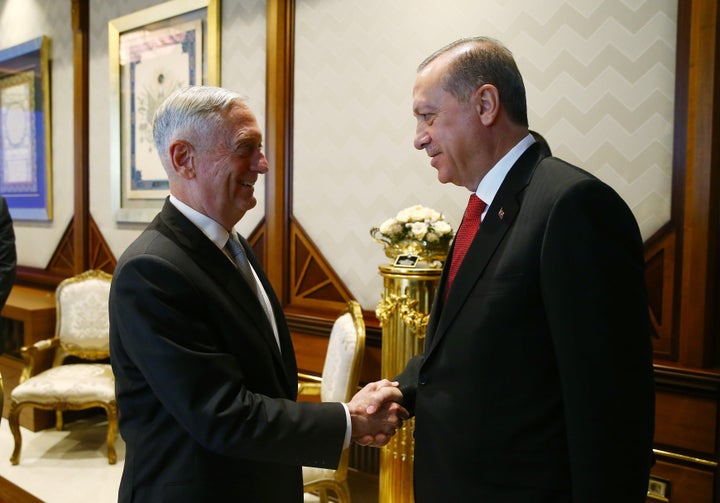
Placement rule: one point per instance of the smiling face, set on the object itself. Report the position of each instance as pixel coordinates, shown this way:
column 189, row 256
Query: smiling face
column 227, row 165
column 449, row 131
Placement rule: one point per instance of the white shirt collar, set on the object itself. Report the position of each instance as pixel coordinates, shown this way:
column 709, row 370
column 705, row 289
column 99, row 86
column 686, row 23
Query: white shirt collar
column 490, row 184
column 213, row 230
column 218, row 235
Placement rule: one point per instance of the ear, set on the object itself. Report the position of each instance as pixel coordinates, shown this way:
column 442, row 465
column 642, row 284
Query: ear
column 486, row 101
column 182, row 156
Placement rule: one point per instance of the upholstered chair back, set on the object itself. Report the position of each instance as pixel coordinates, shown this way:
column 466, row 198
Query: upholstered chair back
column 347, row 339
column 82, row 316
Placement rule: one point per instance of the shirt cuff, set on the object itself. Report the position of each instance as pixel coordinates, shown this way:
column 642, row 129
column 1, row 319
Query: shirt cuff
column 348, row 427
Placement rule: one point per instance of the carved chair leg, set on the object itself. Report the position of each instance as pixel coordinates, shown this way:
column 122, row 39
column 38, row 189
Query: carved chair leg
column 112, row 416
column 14, row 423
column 58, row 420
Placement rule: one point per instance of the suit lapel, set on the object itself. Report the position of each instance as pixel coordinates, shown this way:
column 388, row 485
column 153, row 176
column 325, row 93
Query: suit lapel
column 219, row 268
column 498, row 220
column 288, row 352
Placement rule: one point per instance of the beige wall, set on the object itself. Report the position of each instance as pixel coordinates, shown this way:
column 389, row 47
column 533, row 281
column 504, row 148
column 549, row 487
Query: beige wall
column 599, row 76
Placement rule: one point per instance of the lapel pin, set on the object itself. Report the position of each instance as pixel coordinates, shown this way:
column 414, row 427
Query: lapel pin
column 501, row 213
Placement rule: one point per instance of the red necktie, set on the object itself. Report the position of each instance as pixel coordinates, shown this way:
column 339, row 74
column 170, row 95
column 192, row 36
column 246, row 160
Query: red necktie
column 465, row 235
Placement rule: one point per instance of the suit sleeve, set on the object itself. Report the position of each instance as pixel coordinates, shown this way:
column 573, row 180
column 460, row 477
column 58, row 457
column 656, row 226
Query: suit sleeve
column 408, row 380
column 593, row 287
column 166, row 337
column 8, row 256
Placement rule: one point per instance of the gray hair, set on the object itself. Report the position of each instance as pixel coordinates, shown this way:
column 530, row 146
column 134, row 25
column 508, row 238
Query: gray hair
column 487, row 61
column 193, row 113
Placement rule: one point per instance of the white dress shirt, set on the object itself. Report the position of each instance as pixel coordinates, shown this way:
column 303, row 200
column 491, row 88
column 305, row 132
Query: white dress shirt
column 490, row 184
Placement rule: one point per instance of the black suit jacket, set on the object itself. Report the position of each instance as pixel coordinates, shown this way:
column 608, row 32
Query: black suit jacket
column 207, row 401
column 536, row 383
column 8, row 255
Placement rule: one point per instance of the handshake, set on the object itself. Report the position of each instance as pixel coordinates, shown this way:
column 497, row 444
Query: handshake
column 376, row 413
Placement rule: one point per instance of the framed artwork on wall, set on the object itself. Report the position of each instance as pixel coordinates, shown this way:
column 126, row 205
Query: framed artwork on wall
column 25, row 148
column 152, row 52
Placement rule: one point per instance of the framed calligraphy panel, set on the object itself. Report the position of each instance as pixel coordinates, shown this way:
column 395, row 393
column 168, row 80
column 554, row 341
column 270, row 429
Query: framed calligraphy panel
column 153, row 52
column 25, row 148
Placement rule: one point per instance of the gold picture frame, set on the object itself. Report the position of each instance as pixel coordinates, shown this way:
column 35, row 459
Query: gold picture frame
column 25, row 138
column 151, row 53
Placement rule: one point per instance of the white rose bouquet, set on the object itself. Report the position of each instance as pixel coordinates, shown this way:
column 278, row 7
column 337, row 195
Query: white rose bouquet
column 416, row 230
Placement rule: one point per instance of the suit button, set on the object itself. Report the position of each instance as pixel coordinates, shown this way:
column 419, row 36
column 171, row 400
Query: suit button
column 422, row 379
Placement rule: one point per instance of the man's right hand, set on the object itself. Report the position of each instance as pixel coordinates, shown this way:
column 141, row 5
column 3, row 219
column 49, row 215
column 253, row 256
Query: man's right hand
column 376, row 413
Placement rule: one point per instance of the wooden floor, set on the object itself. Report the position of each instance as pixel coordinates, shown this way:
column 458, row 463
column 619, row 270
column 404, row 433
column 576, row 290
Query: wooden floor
column 10, row 493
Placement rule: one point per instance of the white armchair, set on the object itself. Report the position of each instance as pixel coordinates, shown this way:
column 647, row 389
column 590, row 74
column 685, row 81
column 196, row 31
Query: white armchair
column 338, row 383
column 82, row 332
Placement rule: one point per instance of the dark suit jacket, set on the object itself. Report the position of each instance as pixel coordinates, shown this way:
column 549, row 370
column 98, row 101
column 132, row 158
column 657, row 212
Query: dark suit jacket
column 536, row 384
column 207, row 401
column 8, row 256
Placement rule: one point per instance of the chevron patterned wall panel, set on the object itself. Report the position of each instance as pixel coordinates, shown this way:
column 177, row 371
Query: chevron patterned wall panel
column 600, row 82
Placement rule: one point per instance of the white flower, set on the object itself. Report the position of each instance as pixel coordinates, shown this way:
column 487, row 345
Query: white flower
column 415, row 223
column 442, row 228
column 391, row 227
column 418, row 229
column 405, row 215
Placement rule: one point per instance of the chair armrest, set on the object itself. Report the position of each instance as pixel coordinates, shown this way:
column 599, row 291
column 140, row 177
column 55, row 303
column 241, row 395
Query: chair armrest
column 30, row 354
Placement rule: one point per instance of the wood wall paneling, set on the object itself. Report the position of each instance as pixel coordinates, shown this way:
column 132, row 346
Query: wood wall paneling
column 687, row 422
column 660, row 278
column 687, row 484
column 81, row 125
column 699, row 271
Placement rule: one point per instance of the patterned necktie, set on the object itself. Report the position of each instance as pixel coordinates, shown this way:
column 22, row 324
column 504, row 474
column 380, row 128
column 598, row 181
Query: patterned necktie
column 465, row 235
column 236, row 250
column 241, row 261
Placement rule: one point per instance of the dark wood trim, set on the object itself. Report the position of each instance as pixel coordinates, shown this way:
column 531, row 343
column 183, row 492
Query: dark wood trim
column 713, row 303
column 81, row 127
column 660, row 275
column 308, row 323
column 40, row 278
column 688, row 382
column 699, row 237
column 11, row 493
column 677, row 190
column 279, row 123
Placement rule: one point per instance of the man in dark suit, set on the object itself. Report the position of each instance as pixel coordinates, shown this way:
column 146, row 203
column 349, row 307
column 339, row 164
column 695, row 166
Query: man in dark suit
column 206, row 378
column 536, row 382
column 8, row 254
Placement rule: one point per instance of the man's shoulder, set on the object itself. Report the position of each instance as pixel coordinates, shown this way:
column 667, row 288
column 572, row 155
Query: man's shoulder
column 557, row 167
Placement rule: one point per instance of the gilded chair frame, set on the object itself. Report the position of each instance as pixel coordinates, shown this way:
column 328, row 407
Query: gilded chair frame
column 62, row 351
column 336, row 480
